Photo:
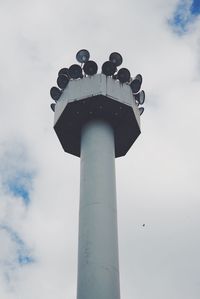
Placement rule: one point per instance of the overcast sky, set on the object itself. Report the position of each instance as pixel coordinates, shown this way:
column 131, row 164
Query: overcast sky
column 158, row 179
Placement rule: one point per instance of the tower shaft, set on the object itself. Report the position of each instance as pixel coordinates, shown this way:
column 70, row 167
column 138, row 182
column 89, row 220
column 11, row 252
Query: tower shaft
column 98, row 266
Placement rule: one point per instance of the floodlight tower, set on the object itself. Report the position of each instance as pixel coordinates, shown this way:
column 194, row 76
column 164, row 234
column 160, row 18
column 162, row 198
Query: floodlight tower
column 97, row 118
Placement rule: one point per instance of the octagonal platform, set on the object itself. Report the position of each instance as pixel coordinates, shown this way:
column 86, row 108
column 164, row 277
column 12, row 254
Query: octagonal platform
column 96, row 97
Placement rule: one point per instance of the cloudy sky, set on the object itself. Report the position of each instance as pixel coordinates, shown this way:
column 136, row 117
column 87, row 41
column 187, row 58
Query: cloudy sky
column 157, row 181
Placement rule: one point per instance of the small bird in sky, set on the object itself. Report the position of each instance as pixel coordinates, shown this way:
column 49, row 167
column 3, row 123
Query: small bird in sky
column 143, row 224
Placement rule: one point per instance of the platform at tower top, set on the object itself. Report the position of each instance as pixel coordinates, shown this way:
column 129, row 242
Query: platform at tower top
column 97, row 97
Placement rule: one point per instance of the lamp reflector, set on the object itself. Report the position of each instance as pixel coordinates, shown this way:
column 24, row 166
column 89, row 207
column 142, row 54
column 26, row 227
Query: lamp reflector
column 55, row 93
column 116, row 58
column 82, row 56
column 90, row 68
column 136, row 84
column 123, row 75
column 139, row 77
column 141, row 110
column 75, row 71
column 53, row 107
column 108, row 68
column 62, row 81
column 64, row 71
column 137, row 103
column 140, row 97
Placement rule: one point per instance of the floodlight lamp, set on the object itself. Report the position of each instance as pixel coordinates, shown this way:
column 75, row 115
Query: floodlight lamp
column 116, row 58
column 55, row 93
column 137, row 103
column 62, row 81
column 64, row 71
column 123, row 75
column 140, row 97
column 90, row 68
column 108, row 68
column 75, row 71
column 141, row 110
column 53, row 107
column 82, row 56
column 136, row 84
column 139, row 77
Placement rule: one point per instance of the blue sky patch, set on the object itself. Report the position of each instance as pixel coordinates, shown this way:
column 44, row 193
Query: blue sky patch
column 23, row 256
column 185, row 13
column 16, row 172
column 19, row 185
column 23, row 260
column 195, row 7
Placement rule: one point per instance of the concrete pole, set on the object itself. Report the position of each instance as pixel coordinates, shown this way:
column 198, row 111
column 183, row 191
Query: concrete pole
column 98, row 265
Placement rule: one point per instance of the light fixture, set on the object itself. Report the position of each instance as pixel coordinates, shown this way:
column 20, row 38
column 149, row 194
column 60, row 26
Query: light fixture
column 137, row 103
column 75, row 71
column 62, row 81
column 140, row 97
column 64, row 71
column 141, row 110
column 139, row 77
column 123, row 75
column 53, row 107
column 116, row 58
column 55, row 93
column 90, row 68
column 82, row 56
column 136, row 84
column 108, row 68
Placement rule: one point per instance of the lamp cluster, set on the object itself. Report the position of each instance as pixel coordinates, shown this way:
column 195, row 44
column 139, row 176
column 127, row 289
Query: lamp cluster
column 89, row 67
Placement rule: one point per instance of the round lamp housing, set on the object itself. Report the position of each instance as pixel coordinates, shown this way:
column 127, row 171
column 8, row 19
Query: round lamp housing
column 90, row 68
column 108, row 68
column 55, row 93
column 140, row 97
column 141, row 110
column 62, row 81
column 64, row 71
column 116, row 58
column 82, row 56
column 137, row 103
column 75, row 71
column 136, row 84
column 139, row 77
column 53, row 107
column 123, row 75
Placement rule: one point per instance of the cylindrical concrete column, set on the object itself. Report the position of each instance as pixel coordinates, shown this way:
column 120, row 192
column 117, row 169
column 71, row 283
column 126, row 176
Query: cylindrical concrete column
column 98, row 266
